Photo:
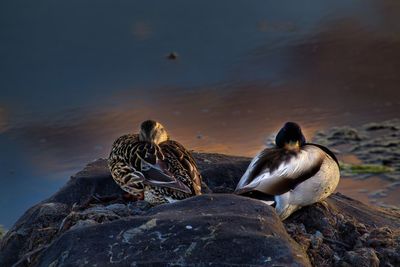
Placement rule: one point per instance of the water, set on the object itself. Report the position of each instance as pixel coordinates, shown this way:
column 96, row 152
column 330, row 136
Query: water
column 74, row 75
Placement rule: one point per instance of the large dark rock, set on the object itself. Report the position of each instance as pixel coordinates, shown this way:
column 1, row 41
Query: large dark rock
column 344, row 232
column 208, row 230
column 85, row 223
column 42, row 223
column 221, row 173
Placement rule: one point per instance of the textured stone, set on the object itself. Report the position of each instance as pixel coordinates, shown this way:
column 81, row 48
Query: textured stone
column 88, row 222
column 207, row 230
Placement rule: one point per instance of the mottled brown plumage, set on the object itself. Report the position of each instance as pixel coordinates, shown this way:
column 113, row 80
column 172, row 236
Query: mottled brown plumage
column 149, row 163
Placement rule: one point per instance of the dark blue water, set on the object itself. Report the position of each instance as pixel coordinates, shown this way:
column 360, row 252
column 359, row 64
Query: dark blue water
column 74, row 75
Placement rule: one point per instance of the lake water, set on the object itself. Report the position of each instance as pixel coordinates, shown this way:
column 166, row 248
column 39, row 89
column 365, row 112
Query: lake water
column 74, row 75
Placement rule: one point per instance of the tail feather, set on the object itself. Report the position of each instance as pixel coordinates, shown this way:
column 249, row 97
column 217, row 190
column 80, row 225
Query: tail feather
column 269, row 203
column 283, row 206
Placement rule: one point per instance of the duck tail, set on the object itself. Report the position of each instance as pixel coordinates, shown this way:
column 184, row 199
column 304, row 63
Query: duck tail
column 266, row 198
column 283, row 206
column 269, row 202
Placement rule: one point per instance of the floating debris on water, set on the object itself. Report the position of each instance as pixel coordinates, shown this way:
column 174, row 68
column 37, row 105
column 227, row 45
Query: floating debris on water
column 172, row 56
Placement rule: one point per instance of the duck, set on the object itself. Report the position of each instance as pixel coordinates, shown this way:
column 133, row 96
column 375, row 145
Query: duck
column 291, row 174
column 150, row 166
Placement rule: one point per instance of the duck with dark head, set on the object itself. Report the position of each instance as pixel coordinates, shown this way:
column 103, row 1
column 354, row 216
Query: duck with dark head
column 292, row 174
column 151, row 165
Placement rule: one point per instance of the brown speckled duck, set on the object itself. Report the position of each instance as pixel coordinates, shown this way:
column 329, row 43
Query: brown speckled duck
column 152, row 166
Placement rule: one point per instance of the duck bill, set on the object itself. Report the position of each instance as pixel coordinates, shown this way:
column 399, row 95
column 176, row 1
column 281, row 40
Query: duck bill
column 293, row 145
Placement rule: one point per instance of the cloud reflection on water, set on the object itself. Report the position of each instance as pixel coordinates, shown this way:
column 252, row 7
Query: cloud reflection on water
column 233, row 120
column 74, row 85
column 330, row 78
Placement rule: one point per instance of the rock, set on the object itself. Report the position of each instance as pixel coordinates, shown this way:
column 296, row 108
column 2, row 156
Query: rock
column 221, row 173
column 205, row 229
column 87, row 222
column 342, row 134
column 393, row 125
column 224, row 178
column 93, row 179
column 37, row 227
column 374, row 144
column 317, row 239
column 361, row 257
column 101, row 214
column 341, row 224
column 381, row 237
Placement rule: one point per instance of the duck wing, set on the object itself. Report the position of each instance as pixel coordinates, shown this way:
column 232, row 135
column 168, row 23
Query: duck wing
column 156, row 168
column 275, row 171
column 185, row 166
column 326, row 150
column 121, row 164
column 134, row 163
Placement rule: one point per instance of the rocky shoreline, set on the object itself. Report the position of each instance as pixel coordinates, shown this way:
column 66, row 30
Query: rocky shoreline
column 370, row 157
column 373, row 144
column 83, row 224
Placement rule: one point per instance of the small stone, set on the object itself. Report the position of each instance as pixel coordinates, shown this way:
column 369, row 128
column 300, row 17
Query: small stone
column 189, row 227
column 336, row 258
column 267, row 259
column 340, row 217
column 362, row 257
column 319, row 234
column 317, row 239
column 361, row 228
column 381, row 237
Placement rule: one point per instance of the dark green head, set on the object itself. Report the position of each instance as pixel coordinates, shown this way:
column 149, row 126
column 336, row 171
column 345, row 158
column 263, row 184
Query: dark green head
column 290, row 136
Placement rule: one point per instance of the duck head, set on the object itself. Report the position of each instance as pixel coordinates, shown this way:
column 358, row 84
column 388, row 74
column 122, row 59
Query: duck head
column 290, row 136
column 153, row 132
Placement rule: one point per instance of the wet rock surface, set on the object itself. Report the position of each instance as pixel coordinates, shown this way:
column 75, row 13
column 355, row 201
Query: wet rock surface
column 375, row 148
column 88, row 222
column 372, row 143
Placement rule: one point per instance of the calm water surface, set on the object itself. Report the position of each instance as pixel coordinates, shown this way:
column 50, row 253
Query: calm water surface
column 74, row 75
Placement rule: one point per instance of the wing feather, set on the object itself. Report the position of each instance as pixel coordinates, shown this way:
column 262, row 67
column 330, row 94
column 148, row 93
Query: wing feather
column 326, row 150
column 125, row 174
column 134, row 163
column 158, row 175
column 187, row 163
column 276, row 171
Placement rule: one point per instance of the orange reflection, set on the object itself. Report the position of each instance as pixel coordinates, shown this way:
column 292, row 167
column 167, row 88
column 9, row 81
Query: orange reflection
column 330, row 79
column 204, row 120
